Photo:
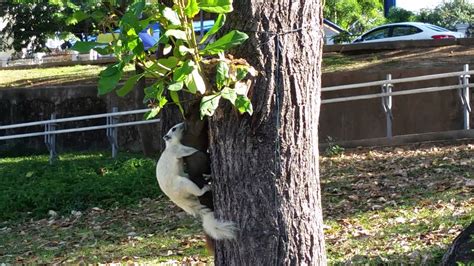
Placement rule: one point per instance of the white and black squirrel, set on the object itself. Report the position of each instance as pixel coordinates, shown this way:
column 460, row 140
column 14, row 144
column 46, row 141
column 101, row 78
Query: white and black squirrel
column 174, row 182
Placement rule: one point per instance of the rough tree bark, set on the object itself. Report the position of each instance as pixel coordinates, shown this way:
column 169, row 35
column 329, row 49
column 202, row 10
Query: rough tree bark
column 146, row 132
column 265, row 166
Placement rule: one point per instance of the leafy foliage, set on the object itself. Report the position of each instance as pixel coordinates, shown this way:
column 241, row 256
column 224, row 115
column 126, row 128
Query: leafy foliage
column 186, row 66
column 449, row 13
column 30, row 23
column 27, row 24
column 397, row 14
column 356, row 16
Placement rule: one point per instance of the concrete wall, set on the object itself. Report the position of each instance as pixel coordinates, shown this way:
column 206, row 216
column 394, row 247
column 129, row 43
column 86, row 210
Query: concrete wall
column 26, row 105
column 418, row 113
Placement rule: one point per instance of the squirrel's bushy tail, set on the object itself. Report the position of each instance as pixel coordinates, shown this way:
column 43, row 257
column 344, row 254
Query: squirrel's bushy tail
column 216, row 229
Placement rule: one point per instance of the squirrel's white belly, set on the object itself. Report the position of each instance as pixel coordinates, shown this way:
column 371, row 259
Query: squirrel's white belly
column 168, row 173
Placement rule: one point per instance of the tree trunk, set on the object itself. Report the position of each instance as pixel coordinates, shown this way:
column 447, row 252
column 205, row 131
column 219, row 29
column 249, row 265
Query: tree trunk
column 265, row 166
column 146, row 132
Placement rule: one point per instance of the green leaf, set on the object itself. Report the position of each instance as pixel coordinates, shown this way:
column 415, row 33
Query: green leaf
column 177, row 86
column 76, row 17
column 216, row 6
column 152, row 113
column 222, row 74
column 154, row 91
column 226, row 42
column 171, row 16
column 30, row 174
column 217, row 25
column 129, row 84
column 180, row 73
column 229, row 94
column 209, row 105
column 104, row 51
column 192, row 9
column 109, row 78
column 132, row 33
column 162, row 102
column 128, row 21
column 84, row 47
column 98, row 15
column 178, row 34
column 136, row 8
column 243, row 104
column 182, row 49
column 132, row 43
column 139, row 51
column 175, row 97
column 195, row 82
column 242, row 72
column 168, row 63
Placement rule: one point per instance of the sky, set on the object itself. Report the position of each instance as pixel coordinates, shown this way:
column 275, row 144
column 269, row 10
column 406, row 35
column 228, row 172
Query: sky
column 416, row 5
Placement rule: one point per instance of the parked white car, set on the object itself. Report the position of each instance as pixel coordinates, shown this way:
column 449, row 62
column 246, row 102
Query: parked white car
column 407, row 31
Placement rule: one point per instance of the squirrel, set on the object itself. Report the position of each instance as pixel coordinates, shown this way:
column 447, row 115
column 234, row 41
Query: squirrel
column 175, row 183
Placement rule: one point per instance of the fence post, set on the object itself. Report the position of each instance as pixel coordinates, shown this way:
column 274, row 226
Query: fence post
column 387, row 104
column 50, row 139
column 464, row 94
column 112, row 132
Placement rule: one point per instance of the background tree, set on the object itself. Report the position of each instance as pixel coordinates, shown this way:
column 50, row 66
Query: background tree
column 31, row 23
column 449, row 13
column 28, row 24
column 398, row 14
column 356, row 16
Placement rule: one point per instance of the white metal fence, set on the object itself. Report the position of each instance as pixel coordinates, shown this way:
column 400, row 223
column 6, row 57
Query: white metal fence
column 387, row 92
column 50, row 131
column 386, row 95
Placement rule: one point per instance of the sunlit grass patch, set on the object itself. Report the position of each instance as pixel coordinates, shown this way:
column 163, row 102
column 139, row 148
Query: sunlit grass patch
column 31, row 186
column 381, row 206
column 52, row 76
column 396, row 205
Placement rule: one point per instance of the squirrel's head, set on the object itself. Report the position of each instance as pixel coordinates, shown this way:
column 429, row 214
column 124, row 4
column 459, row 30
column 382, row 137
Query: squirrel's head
column 175, row 133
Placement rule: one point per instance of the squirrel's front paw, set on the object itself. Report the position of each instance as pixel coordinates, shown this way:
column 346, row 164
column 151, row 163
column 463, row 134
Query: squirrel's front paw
column 205, row 189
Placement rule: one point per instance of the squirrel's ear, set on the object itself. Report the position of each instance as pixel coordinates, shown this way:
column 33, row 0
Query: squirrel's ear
column 184, row 151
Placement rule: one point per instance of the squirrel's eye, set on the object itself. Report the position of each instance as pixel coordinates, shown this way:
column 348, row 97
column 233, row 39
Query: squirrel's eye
column 174, row 129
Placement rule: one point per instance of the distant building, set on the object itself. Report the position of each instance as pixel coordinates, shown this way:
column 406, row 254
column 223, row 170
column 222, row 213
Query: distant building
column 331, row 29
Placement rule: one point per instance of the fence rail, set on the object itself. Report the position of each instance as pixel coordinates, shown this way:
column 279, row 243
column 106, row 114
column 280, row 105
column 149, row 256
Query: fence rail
column 50, row 132
column 387, row 93
column 395, row 81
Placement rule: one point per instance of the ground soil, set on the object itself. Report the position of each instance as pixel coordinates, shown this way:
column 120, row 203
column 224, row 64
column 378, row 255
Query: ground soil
column 435, row 57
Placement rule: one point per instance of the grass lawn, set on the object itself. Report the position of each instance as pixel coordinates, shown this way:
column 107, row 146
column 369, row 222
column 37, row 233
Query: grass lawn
column 381, row 206
column 52, row 76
